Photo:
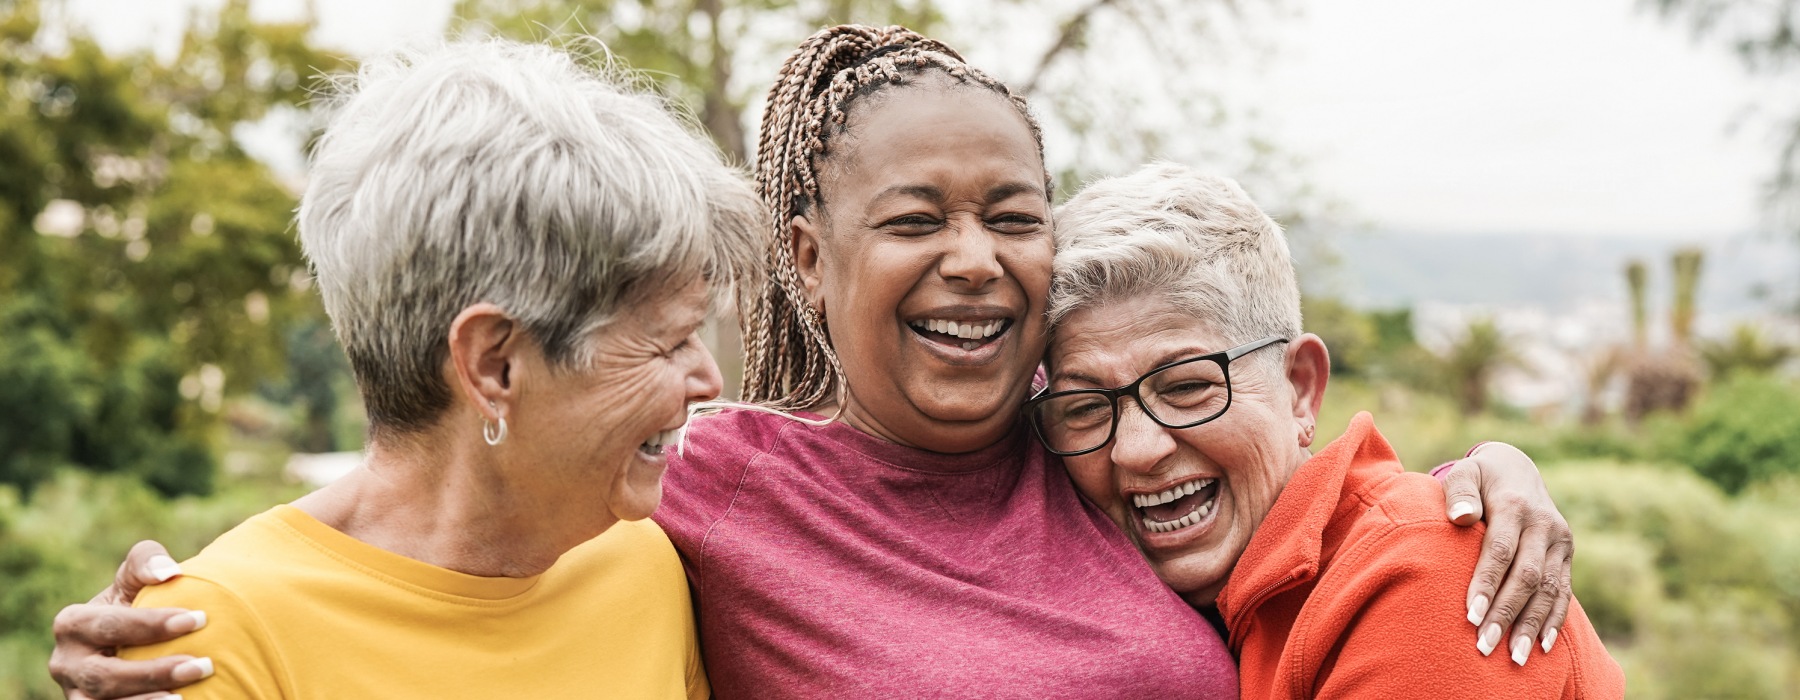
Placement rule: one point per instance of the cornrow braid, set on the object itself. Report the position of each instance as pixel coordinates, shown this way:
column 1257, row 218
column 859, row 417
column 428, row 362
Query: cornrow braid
column 789, row 362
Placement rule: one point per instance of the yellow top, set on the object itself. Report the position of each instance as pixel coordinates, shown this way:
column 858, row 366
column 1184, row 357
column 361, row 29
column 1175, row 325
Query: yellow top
column 298, row 610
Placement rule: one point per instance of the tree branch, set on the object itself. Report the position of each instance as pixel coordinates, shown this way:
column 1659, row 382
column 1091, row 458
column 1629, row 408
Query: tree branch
column 1065, row 40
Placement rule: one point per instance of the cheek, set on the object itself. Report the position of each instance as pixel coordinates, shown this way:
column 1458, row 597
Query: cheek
column 1030, row 262
column 1093, row 477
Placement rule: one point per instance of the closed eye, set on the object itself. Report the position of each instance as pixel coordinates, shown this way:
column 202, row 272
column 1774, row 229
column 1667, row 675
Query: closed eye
column 912, row 224
column 1015, row 223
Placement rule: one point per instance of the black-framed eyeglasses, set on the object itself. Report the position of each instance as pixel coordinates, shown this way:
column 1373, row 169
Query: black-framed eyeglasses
column 1181, row 394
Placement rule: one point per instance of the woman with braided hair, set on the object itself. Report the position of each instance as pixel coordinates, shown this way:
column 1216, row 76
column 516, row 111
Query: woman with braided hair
column 907, row 537
column 881, row 522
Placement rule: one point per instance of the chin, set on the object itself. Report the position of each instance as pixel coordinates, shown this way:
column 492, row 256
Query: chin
column 1197, row 582
column 975, row 399
column 639, row 490
column 637, row 506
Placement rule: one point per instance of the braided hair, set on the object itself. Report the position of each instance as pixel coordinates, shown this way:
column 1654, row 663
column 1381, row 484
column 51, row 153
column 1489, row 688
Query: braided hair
column 789, row 362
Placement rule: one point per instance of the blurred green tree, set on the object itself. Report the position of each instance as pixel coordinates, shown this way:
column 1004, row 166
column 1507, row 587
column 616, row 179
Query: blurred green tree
column 1349, row 333
column 1747, row 350
column 1745, row 431
column 1765, row 35
column 1472, row 360
column 147, row 269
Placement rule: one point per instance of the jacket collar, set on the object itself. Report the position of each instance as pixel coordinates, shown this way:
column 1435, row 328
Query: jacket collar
column 1285, row 551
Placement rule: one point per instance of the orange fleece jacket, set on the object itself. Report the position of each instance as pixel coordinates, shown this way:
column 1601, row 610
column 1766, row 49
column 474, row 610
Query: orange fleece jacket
column 1354, row 584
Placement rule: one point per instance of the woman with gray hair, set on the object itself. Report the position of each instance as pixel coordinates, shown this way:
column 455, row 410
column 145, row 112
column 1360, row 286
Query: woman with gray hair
column 1336, row 573
column 516, row 253
column 904, row 537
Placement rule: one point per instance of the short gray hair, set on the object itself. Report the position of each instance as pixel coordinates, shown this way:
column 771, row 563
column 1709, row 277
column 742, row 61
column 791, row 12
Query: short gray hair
column 494, row 171
column 1192, row 239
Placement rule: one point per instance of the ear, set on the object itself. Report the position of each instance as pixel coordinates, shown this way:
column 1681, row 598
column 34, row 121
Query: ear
column 484, row 355
column 1308, row 371
column 807, row 259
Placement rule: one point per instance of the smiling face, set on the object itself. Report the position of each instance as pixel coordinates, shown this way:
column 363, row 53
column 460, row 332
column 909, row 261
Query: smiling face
column 1192, row 498
column 604, row 428
column 930, row 259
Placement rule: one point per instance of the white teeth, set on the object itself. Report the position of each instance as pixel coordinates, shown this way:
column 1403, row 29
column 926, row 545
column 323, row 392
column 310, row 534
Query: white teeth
column 662, row 439
column 971, row 345
column 1145, row 500
column 1188, row 520
column 966, row 331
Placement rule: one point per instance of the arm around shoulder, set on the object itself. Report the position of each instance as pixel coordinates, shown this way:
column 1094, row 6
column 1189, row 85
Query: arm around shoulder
column 244, row 662
column 1391, row 628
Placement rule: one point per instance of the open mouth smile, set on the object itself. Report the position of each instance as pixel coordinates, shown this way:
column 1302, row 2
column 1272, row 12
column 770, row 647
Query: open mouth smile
column 653, row 447
column 1179, row 507
column 966, row 335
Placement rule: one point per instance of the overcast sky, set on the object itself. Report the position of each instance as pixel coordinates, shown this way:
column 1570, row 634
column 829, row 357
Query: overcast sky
column 1518, row 116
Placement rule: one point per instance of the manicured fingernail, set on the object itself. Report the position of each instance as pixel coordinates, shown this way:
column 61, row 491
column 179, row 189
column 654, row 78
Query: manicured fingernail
column 1478, row 610
column 1549, row 639
column 1521, row 649
column 1489, row 639
column 1461, row 508
column 193, row 670
column 163, row 568
column 187, row 622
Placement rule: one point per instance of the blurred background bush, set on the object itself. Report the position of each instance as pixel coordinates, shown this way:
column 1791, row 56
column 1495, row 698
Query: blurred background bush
column 165, row 369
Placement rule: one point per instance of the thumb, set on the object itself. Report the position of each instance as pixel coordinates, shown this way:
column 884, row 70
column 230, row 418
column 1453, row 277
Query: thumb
column 1462, row 495
column 147, row 564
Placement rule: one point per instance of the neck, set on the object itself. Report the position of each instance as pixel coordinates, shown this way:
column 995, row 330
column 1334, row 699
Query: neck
column 451, row 502
column 946, row 437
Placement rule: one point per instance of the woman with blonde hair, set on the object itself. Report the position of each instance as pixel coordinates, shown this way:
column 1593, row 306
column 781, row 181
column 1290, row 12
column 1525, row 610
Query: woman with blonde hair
column 516, row 253
column 884, row 525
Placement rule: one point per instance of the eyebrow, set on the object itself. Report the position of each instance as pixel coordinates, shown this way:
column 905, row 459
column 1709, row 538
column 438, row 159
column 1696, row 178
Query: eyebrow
column 936, row 194
column 1012, row 189
column 926, row 192
column 1181, row 354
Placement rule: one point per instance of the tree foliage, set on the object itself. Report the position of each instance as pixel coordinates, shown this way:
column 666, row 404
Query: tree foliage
column 1765, row 36
column 1746, row 430
column 148, row 268
column 1470, row 363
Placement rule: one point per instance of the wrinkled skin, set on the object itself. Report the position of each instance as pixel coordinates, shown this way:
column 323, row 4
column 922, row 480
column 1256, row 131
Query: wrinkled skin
column 963, row 232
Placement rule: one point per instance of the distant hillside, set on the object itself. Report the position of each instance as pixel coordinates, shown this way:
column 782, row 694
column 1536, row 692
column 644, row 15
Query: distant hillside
column 1389, row 269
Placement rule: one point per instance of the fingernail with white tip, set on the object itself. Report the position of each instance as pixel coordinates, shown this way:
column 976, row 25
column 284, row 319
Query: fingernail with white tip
column 1521, row 650
column 1461, row 508
column 1489, row 639
column 163, row 568
column 1478, row 609
column 193, row 670
column 190, row 621
column 1549, row 639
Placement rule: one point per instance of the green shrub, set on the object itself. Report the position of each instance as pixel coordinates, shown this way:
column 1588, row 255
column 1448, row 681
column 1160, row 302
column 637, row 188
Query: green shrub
column 1745, row 431
column 1698, row 537
column 1695, row 593
column 1616, row 581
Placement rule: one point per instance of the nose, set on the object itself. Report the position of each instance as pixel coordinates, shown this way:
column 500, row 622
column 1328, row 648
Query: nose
column 704, row 382
column 973, row 261
column 1139, row 444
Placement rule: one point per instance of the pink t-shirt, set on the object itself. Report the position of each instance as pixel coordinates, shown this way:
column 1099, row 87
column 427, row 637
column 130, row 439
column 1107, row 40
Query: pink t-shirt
column 829, row 563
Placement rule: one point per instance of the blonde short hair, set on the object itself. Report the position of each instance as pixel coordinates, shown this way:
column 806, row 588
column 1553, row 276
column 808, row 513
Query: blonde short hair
column 1195, row 240
column 513, row 174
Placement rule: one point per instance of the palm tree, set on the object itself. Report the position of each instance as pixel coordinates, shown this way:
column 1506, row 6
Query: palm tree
column 1471, row 362
column 1747, row 351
